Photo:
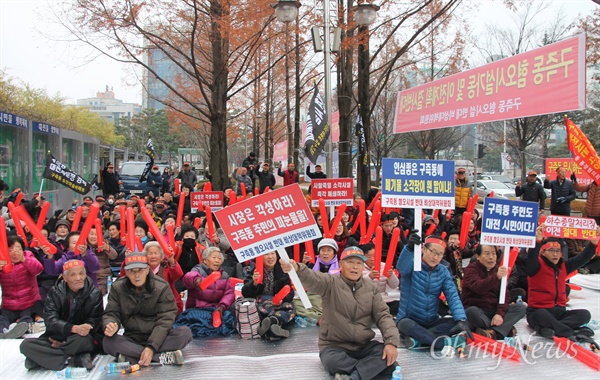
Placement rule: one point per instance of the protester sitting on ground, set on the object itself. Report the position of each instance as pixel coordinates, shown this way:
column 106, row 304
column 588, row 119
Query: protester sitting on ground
column 231, row 265
column 74, row 252
column 273, row 317
column 188, row 252
column 141, row 231
column 547, row 271
column 327, row 260
column 143, row 305
column 350, row 307
column 343, row 238
column 59, row 237
column 72, row 316
column 207, row 307
column 386, row 282
column 20, row 293
column 387, row 226
column 480, row 296
column 104, row 255
column 418, row 319
column 453, row 254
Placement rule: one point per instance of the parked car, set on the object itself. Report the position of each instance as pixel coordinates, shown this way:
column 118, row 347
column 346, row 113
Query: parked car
column 497, row 177
column 501, row 190
column 130, row 174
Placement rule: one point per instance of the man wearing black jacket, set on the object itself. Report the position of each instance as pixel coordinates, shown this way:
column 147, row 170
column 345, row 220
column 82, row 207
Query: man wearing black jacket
column 72, row 315
column 318, row 174
column 265, row 178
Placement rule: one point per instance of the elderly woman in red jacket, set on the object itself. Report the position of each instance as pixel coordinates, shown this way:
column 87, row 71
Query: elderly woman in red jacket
column 20, row 293
column 210, row 296
column 481, row 294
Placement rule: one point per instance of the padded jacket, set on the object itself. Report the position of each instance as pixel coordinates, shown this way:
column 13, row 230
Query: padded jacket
column 349, row 310
column 462, row 193
column 19, row 286
column 592, row 204
column 420, row 291
column 481, row 288
column 249, row 290
column 219, row 293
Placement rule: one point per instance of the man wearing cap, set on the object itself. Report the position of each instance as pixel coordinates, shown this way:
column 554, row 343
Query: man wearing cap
column 144, row 305
column 251, row 164
column 418, row 319
column 155, row 180
column 531, row 191
column 562, row 193
column 462, row 191
column 265, row 177
column 547, row 278
column 72, row 316
column 350, row 307
column 290, row 175
column 187, row 176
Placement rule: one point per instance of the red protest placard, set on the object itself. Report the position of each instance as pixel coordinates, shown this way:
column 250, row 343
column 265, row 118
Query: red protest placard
column 334, row 191
column 214, row 199
column 267, row 222
column 568, row 163
column 571, row 228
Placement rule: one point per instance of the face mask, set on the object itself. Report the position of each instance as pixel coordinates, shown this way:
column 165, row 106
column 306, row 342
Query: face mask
column 110, row 201
column 155, row 171
column 189, row 242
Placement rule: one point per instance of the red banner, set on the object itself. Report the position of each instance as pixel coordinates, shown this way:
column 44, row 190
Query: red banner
column 583, row 151
column 554, row 163
column 334, row 191
column 542, row 81
column 214, row 199
column 267, row 222
column 571, row 228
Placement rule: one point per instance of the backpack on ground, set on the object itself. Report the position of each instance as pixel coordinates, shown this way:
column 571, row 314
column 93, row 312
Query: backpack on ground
column 247, row 318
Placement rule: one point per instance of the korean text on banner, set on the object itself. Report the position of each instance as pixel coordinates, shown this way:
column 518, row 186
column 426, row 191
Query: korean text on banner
column 417, row 183
column 267, row 222
column 334, row 191
column 214, row 199
column 509, row 223
column 583, row 151
column 568, row 163
column 571, row 228
column 546, row 80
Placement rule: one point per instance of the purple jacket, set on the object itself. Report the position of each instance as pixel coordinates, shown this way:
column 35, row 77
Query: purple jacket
column 92, row 265
column 220, row 293
column 19, row 286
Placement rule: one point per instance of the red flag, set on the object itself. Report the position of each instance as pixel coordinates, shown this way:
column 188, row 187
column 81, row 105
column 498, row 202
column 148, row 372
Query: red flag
column 583, row 151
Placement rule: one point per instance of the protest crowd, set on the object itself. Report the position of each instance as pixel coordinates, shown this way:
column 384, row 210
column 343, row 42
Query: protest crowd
column 139, row 277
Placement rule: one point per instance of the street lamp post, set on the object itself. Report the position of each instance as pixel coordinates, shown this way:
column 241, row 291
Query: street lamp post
column 364, row 15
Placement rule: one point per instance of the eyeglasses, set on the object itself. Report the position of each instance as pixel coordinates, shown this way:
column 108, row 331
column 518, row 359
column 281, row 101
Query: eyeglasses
column 434, row 252
column 553, row 250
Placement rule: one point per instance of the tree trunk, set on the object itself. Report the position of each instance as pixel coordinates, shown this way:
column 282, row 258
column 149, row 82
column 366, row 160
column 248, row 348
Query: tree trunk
column 297, row 93
column 364, row 168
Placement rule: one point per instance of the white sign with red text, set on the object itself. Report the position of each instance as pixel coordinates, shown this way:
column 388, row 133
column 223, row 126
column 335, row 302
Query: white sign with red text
column 268, row 222
column 214, row 199
column 570, row 228
column 334, row 191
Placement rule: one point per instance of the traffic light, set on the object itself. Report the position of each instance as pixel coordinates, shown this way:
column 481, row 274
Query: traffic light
column 480, row 150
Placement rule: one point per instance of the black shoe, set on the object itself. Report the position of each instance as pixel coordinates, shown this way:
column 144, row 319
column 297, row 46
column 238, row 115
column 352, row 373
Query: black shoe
column 585, row 331
column 545, row 332
column 85, row 361
column 264, row 327
column 30, row 364
column 279, row 332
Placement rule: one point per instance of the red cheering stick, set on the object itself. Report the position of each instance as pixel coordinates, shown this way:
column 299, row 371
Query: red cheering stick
column 512, row 258
column 89, row 223
column 232, row 198
column 406, row 233
column 131, row 229
column 77, row 219
column 99, row 233
column 542, row 219
column 207, row 187
column 216, row 319
column 260, row 265
column 360, row 219
column 33, row 229
column 210, row 279
column 474, row 204
column 158, row 236
column 575, row 287
column 17, row 220
column 389, row 260
column 18, row 199
column 491, row 194
column 197, row 223
column 43, row 213
column 571, row 275
column 444, row 234
column 138, row 244
column 496, row 348
column 243, row 188
column 278, row 298
column 267, row 189
column 375, row 199
column 431, row 229
column 436, row 213
column 210, row 226
column 338, row 218
column 170, row 228
column 324, row 217
column 297, row 253
column 469, row 204
column 310, row 250
column 578, row 352
column 373, row 223
column 180, row 209
column 4, row 255
column 122, row 219
column 378, row 246
column 464, row 229
column 177, row 185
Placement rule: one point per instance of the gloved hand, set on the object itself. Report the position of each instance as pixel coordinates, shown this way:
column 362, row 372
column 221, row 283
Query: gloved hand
column 573, row 177
column 414, row 239
column 57, row 213
column 561, row 200
column 461, row 326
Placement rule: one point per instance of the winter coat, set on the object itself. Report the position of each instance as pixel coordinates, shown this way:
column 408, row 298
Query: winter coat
column 532, row 192
column 92, row 265
column 63, row 309
column 349, row 310
column 155, row 181
column 219, row 293
column 19, row 286
column 481, row 288
column 188, row 177
column 420, row 291
column 592, row 204
column 288, row 177
column 462, row 193
column 147, row 317
column 250, row 290
column 265, row 179
column 243, row 180
column 564, row 189
column 383, row 283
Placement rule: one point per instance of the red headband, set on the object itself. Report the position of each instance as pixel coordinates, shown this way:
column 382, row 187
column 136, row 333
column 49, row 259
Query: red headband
column 72, row 263
column 434, row 240
column 550, row 244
